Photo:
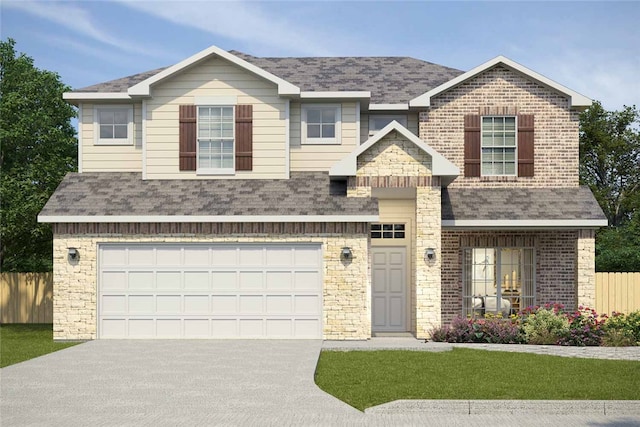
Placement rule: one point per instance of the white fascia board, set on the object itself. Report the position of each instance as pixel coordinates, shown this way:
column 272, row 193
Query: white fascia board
column 336, row 95
column 525, row 223
column 204, row 218
column 439, row 164
column 577, row 100
column 91, row 96
column 389, row 107
column 144, row 87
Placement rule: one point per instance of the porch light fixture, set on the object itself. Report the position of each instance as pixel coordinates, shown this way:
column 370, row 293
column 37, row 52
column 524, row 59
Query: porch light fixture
column 74, row 255
column 345, row 254
column 430, row 254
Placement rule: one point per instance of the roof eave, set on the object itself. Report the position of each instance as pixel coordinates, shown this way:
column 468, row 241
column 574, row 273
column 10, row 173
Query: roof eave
column 577, row 100
column 523, row 224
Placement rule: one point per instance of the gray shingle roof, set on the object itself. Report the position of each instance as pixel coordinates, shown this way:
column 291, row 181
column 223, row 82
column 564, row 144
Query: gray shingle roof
column 125, row 193
column 391, row 80
column 519, row 204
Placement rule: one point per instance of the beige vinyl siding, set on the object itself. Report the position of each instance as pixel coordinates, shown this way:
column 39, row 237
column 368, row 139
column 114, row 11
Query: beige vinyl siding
column 215, row 77
column 110, row 158
column 412, row 123
column 308, row 157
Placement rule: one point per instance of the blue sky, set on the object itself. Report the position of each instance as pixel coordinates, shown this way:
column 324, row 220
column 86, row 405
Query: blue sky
column 591, row 47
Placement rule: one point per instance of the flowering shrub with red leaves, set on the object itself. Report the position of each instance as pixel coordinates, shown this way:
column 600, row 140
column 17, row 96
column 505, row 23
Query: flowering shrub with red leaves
column 491, row 329
column 586, row 328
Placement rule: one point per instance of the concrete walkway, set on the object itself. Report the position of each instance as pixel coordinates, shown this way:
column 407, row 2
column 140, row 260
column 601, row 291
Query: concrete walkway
column 240, row 383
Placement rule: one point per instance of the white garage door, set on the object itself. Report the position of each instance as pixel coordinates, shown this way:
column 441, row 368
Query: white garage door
column 210, row 291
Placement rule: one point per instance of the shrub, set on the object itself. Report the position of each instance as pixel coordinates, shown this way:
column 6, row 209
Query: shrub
column 628, row 325
column 544, row 325
column 618, row 338
column 585, row 328
column 491, row 329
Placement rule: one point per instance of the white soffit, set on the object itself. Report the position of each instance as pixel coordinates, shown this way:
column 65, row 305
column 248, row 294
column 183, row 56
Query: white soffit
column 524, row 223
column 440, row 165
column 576, row 99
column 144, row 87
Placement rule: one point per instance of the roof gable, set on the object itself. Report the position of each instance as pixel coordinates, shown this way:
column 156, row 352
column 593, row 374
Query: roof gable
column 144, row 87
column 439, row 164
column 576, row 100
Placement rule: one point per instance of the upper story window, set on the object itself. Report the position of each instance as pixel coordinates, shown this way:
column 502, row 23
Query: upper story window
column 377, row 122
column 499, row 145
column 321, row 124
column 114, row 125
column 216, row 139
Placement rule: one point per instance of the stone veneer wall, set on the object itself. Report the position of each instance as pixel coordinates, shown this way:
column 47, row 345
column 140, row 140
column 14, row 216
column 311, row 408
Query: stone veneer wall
column 393, row 155
column 556, row 127
column 564, row 265
column 346, row 287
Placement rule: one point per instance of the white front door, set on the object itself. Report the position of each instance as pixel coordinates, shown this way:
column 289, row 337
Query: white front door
column 389, row 289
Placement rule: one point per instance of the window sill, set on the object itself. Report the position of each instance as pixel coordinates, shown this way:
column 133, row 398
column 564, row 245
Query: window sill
column 215, row 172
column 320, row 142
column 499, row 178
column 113, row 142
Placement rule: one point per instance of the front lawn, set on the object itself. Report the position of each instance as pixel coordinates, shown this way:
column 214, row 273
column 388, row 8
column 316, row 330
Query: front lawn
column 20, row 342
column 368, row 378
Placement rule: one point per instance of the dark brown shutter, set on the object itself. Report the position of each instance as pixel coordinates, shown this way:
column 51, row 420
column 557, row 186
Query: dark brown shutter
column 188, row 128
column 471, row 145
column 525, row 145
column 244, row 137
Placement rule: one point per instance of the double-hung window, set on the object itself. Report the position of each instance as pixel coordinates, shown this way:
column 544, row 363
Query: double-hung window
column 113, row 125
column 321, row 124
column 499, row 146
column 216, row 139
column 497, row 280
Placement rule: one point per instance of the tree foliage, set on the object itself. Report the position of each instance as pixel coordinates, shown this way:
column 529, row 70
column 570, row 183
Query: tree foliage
column 38, row 147
column 610, row 166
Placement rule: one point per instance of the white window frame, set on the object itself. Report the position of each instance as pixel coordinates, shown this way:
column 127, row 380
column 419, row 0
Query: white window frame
column 129, row 140
column 215, row 171
column 403, row 118
column 502, row 289
column 337, row 139
column 515, row 172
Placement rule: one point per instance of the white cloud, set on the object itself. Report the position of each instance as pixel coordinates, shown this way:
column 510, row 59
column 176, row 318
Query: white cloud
column 80, row 21
column 251, row 23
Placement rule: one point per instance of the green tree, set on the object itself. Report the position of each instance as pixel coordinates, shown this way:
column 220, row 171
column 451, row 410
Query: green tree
column 37, row 148
column 610, row 166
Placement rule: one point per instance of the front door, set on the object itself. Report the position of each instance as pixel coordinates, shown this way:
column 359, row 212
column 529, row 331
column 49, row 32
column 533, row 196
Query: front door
column 389, row 289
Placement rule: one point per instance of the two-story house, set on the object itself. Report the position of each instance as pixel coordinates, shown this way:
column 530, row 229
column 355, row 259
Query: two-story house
column 230, row 196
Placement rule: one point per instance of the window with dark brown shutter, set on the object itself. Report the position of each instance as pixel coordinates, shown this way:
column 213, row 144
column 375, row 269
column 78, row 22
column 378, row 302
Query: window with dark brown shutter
column 525, row 144
column 188, row 137
column 471, row 145
column 244, row 137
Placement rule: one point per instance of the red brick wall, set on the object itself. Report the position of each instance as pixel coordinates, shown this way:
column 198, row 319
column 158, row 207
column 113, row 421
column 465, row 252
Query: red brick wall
column 556, row 127
column 555, row 264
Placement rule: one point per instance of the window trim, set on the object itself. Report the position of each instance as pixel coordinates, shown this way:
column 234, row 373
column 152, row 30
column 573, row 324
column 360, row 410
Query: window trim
column 515, row 173
column 215, row 171
column 499, row 285
column 387, row 116
column 336, row 140
column 129, row 140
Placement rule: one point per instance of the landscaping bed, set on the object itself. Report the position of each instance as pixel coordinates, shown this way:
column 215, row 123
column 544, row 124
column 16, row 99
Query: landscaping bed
column 20, row 342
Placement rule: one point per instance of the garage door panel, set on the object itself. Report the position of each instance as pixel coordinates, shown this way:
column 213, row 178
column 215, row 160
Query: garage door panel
column 169, row 280
column 167, row 304
column 196, row 304
column 196, row 280
column 250, row 280
column 114, row 304
column 114, row 280
column 210, row 291
column 143, row 256
column 142, row 304
column 279, row 280
column 279, row 304
column 139, row 280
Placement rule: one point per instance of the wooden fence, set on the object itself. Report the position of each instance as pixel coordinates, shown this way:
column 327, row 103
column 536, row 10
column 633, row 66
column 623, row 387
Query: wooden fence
column 26, row 297
column 617, row 292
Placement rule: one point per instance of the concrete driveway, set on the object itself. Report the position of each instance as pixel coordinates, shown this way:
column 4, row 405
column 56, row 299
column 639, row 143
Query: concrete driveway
column 171, row 383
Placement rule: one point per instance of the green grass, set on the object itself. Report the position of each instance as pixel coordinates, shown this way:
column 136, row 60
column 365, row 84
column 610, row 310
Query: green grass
column 368, row 378
column 20, row 342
